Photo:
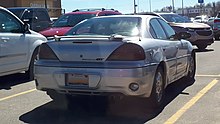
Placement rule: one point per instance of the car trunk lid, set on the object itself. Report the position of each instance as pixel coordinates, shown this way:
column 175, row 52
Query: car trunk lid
column 85, row 49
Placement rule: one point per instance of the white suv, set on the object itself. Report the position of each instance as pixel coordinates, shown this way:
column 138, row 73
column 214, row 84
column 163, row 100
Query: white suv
column 18, row 45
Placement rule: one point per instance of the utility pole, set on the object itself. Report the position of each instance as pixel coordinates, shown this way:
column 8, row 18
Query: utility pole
column 45, row 4
column 150, row 4
column 135, row 7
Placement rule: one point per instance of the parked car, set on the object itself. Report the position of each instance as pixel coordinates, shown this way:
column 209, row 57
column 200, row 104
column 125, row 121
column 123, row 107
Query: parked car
column 215, row 24
column 201, row 34
column 68, row 20
column 201, row 19
column 18, row 45
column 133, row 55
column 210, row 21
column 37, row 18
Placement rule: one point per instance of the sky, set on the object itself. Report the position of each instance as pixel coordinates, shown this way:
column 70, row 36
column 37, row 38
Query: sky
column 127, row 6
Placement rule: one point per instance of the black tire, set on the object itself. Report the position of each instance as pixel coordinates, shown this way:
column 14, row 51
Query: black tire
column 217, row 37
column 202, row 46
column 192, row 68
column 30, row 71
column 158, row 92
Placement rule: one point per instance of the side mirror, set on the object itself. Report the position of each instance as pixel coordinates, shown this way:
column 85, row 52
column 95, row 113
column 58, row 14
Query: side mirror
column 26, row 27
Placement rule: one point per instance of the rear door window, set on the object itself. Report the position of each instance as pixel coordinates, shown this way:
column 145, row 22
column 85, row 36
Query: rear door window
column 169, row 31
column 42, row 16
column 157, row 29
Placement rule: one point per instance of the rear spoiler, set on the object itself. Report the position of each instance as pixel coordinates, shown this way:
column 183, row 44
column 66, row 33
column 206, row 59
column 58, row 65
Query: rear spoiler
column 114, row 37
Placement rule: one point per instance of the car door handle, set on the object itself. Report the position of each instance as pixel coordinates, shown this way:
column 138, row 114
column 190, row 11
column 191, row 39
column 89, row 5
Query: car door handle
column 5, row 39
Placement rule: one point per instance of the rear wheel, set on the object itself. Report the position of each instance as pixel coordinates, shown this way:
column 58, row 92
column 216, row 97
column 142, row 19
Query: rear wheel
column 192, row 68
column 157, row 94
column 217, row 37
column 30, row 71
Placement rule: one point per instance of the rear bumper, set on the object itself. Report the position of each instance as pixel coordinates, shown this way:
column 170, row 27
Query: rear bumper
column 101, row 80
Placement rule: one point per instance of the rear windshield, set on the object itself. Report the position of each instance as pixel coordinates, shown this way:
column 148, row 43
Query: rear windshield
column 125, row 26
column 70, row 20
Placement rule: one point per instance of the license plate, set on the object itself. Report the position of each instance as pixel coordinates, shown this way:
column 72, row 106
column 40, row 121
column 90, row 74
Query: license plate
column 77, row 79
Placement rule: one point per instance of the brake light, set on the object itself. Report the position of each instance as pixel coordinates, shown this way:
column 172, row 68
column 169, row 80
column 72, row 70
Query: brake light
column 216, row 20
column 46, row 52
column 127, row 52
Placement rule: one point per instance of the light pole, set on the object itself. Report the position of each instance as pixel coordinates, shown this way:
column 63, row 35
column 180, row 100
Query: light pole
column 182, row 9
column 173, row 5
column 150, row 4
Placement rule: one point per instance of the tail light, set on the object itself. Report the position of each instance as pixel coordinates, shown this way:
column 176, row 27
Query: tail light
column 216, row 20
column 127, row 52
column 46, row 52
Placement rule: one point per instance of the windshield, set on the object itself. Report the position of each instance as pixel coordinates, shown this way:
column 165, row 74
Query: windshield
column 108, row 26
column 175, row 18
column 70, row 20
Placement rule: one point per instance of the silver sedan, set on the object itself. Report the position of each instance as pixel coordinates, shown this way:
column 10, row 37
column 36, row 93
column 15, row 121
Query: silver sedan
column 131, row 55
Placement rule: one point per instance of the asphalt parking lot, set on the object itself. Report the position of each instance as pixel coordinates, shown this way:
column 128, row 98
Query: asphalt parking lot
column 20, row 102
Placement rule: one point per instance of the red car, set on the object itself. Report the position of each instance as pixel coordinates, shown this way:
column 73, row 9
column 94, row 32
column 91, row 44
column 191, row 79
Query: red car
column 67, row 21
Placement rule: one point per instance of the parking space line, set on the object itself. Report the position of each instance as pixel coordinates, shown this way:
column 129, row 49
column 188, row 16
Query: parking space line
column 189, row 104
column 18, row 94
column 214, row 76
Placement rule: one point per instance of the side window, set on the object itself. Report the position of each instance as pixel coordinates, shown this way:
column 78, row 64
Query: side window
column 167, row 28
column 156, row 27
column 42, row 16
column 152, row 32
column 8, row 23
column 27, row 14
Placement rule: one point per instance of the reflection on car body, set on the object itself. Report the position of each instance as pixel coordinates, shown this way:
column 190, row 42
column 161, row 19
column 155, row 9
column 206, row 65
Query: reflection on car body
column 133, row 55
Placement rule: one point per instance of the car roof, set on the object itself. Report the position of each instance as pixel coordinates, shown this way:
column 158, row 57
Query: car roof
column 29, row 8
column 141, row 16
column 157, row 14
column 93, row 11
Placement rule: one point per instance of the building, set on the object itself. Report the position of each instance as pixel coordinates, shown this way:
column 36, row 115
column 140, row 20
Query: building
column 193, row 12
column 53, row 6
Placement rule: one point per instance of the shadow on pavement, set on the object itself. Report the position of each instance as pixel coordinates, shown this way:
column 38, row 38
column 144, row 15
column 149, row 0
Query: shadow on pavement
column 6, row 82
column 205, row 50
column 127, row 110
